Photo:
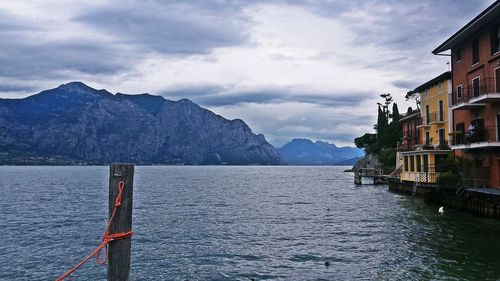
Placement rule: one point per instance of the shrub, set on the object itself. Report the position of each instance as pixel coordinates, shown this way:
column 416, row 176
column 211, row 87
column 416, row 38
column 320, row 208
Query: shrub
column 449, row 179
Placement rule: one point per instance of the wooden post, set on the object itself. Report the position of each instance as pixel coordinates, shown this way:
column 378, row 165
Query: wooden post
column 119, row 250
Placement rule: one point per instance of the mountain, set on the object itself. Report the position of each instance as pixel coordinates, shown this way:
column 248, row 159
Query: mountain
column 306, row 152
column 76, row 124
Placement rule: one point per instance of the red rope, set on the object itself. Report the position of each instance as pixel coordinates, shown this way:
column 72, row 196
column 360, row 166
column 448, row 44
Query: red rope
column 106, row 238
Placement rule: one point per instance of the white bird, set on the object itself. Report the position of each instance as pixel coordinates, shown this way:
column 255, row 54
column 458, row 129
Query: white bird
column 441, row 210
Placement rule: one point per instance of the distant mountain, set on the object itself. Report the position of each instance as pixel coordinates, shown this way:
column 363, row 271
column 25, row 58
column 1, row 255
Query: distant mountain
column 306, row 152
column 349, row 162
column 76, row 124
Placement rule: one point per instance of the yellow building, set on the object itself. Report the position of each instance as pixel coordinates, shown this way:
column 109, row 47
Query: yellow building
column 435, row 114
column 423, row 162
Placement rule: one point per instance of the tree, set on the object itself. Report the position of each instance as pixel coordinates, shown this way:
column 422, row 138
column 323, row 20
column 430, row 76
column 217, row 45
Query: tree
column 388, row 134
column 365, row 140
column 395, row 113
column 414, row 97
column 395, row 130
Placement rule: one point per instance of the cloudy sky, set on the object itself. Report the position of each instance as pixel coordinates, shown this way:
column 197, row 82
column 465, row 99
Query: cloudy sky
column 289, row 69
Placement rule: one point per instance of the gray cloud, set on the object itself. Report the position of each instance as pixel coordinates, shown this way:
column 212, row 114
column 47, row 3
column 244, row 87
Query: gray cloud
column 213, row 95
column 17, row 87
column 26, row 54
column 171, row 27
column 403, row 24
column 406, row 84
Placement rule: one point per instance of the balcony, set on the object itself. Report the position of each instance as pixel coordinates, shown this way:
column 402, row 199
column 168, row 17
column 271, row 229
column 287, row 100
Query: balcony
column 435, row 118
column 476, row 95
column 442, row 145
column 479, row 138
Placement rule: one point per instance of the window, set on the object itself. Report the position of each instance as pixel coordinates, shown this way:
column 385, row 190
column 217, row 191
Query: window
column 427, row 115
column 406, row 163
column 427, row 138
column 498, row 126
column 476, row 85
column 475, row 51
column 440, row 161
column 440, row 87
column 441, row 113
column 412, row 163
column 495, row 39
column 458, row 55
column 459, row 91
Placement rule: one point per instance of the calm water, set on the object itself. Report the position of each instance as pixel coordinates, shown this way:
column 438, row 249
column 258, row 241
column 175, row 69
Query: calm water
column 239, row 223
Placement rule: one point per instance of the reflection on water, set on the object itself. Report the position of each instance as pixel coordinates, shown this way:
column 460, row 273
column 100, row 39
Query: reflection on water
column 239, row 223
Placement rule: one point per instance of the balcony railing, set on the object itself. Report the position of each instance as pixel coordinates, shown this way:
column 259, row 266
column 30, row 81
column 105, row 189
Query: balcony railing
column 486, row 134
column 441, row 145
column 486, row 86
column 421, row 174
column 476, row 177
column 434, row 117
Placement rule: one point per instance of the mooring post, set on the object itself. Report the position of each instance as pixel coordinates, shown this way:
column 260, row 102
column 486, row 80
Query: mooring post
column 119, row 250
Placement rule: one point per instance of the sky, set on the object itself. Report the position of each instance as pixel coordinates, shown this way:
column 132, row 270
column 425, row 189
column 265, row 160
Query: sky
column 289, row 69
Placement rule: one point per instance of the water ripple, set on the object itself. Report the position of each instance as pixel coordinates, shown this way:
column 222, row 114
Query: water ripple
column 239, row 223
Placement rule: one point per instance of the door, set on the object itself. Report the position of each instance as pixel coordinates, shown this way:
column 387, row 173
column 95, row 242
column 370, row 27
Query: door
column 459, row 136
column 442, row 140
column 480, row 134
column 475, row 87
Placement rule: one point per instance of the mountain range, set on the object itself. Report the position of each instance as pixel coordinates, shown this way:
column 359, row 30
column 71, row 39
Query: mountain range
column 306, row 152
column 76, row 124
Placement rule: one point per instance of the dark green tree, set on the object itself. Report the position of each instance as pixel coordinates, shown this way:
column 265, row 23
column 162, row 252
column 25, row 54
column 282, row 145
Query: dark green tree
column 388, row 134
column 395, row 130
column 368, row 142
column 395, row 113
column 382, row 123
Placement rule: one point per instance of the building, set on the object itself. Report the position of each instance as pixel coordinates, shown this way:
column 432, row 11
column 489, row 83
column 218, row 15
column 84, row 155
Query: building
column 410, row 123
column 421, row 163
column 435, row 114
column 475, row 99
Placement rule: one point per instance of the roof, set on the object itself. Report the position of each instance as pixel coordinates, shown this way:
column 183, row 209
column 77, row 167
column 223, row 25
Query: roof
column 410, row 115
column 491, row 13
column 443, row 77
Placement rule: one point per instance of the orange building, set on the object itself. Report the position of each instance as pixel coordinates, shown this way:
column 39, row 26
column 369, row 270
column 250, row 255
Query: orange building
column 475, row 100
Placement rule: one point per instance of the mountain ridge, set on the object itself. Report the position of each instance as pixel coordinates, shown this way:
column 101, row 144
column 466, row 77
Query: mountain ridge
column 300, row 151
column 85, row 125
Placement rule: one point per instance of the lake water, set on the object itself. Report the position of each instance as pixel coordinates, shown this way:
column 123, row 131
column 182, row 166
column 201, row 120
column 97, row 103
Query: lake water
column 239, row 223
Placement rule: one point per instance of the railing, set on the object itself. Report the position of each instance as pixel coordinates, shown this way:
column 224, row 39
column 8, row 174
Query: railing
column 433, row 117
column 370, row 171
column 486, row 85
column 476, row 182
column 441, row 145
column 486, row 134
column 422, row 174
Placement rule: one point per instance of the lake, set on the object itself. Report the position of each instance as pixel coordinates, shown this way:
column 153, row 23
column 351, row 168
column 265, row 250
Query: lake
column 239, row 223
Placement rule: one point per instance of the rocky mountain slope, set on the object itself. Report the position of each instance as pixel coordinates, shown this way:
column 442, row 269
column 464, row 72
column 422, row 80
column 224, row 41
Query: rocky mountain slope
column 76, row 124
column 306, row 152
